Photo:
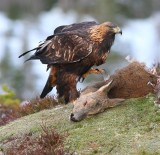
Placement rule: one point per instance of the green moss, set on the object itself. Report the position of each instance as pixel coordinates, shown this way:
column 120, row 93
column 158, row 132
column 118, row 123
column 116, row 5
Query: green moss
column 131, row 128
column 143, row 152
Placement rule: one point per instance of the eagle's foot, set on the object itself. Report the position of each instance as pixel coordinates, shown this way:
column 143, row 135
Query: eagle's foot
column 91, row 71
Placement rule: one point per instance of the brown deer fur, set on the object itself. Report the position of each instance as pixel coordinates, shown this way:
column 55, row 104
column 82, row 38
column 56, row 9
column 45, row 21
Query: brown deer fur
column 130, row 82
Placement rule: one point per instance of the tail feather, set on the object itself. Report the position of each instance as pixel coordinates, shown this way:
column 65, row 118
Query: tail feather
column 51, row 82
column 28, row 52
column 33, row 57
column 47, row 88
column 41, row 46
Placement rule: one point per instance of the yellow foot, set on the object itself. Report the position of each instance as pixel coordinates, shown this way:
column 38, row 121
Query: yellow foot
column 91, row 71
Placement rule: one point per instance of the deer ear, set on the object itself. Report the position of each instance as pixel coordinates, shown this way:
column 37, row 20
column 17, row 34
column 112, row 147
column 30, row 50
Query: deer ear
column 114, row 102
column 106, row 87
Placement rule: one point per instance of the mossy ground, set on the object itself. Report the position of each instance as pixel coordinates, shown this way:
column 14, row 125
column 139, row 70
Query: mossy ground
column 131, row 128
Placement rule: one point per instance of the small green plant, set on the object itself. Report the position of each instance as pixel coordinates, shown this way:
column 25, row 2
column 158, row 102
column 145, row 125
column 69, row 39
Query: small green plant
column 8, row 98
column 9, row 105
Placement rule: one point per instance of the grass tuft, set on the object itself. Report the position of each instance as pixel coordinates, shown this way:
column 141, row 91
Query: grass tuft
column 37, row 104
column 50, row 142
column 11, row 112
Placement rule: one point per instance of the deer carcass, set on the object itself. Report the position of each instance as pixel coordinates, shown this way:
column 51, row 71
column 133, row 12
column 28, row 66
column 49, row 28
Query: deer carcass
column 130, row 82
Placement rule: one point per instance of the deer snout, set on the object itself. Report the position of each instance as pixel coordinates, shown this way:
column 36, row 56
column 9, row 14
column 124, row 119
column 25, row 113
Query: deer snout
column 72, row 118
column 76, row 117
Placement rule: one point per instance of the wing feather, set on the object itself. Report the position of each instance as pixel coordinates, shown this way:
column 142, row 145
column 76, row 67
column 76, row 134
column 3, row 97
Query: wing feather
column 66, row 48
column 68, row 44
column 75, row 26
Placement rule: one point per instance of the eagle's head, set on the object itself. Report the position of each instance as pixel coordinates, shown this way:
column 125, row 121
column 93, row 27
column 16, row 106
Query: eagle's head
column 107, row 29
column 110, row 27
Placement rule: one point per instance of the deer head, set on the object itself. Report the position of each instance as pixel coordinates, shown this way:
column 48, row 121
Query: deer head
column 93, row 103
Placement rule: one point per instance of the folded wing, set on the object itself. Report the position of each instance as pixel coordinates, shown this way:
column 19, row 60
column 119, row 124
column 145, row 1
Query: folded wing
column 69, row 44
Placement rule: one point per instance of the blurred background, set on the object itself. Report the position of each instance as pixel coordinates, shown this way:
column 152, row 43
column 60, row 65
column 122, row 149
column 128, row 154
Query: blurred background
column 24, row 23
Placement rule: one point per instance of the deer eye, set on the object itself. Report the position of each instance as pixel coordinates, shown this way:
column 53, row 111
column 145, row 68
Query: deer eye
column 84, row 104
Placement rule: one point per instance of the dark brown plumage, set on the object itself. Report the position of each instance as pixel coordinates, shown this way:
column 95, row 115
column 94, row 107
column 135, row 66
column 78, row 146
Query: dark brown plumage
column 71, row 52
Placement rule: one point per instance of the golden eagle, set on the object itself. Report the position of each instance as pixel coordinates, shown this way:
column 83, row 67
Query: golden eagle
column 71, row 52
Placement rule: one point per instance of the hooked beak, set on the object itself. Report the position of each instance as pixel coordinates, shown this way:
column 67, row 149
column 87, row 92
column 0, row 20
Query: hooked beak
column 117, row 30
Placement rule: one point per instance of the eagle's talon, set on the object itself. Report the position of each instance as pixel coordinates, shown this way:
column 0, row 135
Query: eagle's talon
column 81, row 79
column 91, row 71
column 101, row 71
